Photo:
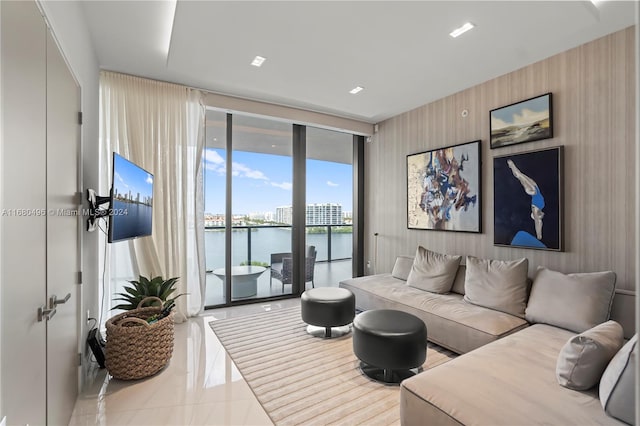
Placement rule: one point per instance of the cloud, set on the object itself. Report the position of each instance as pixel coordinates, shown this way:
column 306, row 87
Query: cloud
column 117, row 176
column 149, row 179
column 525, row 117
column 242, row 170
column 214, row 162
column 211, row 156
column 284, row 185
column 332, row 183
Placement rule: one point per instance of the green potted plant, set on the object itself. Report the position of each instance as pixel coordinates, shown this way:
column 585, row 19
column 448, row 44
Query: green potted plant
column 145, row 287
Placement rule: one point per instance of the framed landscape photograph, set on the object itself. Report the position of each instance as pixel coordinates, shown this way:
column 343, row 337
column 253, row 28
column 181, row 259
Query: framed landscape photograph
column 528, row 194
column 443, row 189
column 524, row 121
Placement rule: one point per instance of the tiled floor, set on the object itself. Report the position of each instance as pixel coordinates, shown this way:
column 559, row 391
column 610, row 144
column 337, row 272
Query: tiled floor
column 200, row 386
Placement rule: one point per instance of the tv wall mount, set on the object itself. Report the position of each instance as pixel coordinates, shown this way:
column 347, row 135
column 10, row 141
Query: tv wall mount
column 95, row 211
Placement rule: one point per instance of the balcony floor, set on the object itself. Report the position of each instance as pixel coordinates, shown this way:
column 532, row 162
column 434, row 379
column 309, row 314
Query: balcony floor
column 327, row 274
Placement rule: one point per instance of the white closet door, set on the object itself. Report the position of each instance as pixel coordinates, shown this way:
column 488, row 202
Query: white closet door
column 39, row 249
column 23, row 196
column 63, row 151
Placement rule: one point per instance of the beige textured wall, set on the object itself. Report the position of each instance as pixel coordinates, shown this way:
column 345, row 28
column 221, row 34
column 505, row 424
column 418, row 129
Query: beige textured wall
column 593, row 90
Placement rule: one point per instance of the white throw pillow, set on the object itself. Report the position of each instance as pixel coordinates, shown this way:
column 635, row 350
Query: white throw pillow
column 433, row 271
column 617, row 385
column 497, row 284
column 576, row 302
column 585, row 356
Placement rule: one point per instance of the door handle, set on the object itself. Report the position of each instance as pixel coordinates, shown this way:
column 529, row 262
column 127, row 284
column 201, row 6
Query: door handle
column 45, row 314
column 54, row 301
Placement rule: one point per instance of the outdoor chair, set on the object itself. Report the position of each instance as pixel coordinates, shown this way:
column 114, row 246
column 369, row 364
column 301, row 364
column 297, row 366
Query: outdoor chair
column 282, row 267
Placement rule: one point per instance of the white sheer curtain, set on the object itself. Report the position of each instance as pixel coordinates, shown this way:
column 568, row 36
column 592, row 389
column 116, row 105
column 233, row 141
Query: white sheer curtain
column 159, row 126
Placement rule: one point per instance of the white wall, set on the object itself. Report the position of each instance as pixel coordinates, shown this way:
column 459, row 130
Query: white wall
column 67, row 22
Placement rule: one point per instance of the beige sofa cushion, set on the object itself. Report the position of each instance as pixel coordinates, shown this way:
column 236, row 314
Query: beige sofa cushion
column 497, row 284
column 507, row 382
column 433, row 271
column 451, row 322
column 589, row 296
column 585, row 356
column 617, row 386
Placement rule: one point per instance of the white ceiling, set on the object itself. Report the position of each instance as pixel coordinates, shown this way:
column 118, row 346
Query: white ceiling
column 400, row 52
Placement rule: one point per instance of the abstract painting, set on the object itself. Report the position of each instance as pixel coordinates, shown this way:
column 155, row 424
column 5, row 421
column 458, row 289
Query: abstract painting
column 443, row 189
column 527, row 190
column 525, row 121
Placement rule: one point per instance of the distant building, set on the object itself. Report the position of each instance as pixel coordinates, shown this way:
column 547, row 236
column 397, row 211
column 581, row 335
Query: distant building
column 316, row 215
column 257, row 215
column 347, row 217
column 324, row 214
column 284, row 214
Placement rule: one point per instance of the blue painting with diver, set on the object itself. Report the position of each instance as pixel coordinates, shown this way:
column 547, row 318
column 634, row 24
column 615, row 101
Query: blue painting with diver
column 443, row 189
column 528, row 193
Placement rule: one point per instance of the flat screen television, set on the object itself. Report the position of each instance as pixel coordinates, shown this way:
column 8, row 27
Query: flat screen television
column 131, row 201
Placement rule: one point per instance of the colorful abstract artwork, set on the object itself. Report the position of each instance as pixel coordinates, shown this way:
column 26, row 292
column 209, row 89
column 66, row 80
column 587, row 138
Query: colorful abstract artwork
column 525, row 121
column 443, row 189
column 527, row 190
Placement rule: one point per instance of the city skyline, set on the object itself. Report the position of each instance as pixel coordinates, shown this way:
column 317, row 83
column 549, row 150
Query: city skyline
column 128, row 178
column 263, row 182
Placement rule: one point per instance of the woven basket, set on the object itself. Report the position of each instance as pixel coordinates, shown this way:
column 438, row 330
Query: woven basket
column 136, row 349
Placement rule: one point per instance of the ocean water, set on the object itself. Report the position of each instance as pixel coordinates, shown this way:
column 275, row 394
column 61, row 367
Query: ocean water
column 265, row 241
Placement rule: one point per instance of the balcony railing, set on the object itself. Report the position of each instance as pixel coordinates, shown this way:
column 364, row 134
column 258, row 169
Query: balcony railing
column 328, row 250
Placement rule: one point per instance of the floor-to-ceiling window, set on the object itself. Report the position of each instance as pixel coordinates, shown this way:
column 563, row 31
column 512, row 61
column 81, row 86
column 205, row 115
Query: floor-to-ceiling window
column 215, row 194
column 262, row 181
column 250, row 208
column 329, row 204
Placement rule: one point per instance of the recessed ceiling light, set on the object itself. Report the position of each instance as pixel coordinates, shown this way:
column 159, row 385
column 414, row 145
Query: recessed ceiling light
column 356, row 90
column 463, row 29
column 257, row 61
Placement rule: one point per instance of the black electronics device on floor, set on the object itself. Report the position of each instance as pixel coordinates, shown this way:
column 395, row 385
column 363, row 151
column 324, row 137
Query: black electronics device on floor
column 97, row 344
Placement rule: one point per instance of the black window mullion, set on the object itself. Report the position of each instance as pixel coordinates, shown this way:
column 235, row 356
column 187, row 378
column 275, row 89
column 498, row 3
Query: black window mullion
column 358, row 207
column 299, row 206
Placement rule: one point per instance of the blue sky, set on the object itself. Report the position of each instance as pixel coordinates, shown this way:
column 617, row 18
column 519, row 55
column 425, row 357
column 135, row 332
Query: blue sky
column 262, row 182
column 129, row 177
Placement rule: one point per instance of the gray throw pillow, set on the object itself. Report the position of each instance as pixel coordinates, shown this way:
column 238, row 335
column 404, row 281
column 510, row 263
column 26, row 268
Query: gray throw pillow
column 617, row 385
column 433, row 271
column 402, row 267
column 497, row 284
column 585, row 356
column 576, row 302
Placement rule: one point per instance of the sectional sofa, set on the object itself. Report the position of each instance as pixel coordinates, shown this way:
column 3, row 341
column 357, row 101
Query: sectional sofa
column 518, row 344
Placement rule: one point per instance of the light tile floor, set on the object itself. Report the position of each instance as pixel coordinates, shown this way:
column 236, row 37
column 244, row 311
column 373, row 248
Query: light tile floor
column 200, row 386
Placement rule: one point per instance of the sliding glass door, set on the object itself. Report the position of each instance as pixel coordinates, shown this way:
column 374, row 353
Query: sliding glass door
column 248, row 206
column 272, row 190
column 329, row 205
column 215, row 194
column 262, row 181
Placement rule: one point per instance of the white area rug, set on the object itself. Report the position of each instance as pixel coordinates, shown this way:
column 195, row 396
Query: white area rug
column 301, row 379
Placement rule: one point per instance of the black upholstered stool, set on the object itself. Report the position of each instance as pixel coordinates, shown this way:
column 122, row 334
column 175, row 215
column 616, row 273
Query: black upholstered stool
column 326, row 309
column 390, row 344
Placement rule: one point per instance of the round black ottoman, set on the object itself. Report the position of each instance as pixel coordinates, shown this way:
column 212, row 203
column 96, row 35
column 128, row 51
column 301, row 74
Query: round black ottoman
column 326, row 308
column 389, row 343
